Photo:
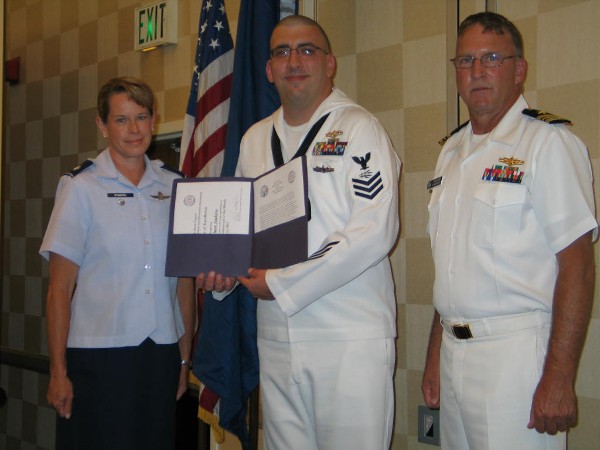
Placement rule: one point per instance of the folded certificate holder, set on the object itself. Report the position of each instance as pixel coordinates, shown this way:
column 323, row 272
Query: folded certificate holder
column 228, row 225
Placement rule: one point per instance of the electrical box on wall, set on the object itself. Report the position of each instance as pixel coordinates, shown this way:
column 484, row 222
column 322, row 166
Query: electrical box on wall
column 155, row 25
column 429, row 425
column 12, row 70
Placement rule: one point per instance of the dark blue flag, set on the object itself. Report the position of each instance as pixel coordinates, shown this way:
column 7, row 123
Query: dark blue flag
column 252, row 98
column 226, row 358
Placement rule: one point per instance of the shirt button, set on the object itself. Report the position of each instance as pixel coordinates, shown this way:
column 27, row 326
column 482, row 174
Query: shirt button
column 143, row 217
column 146, row 242
column 147, row 266
column 147, row 291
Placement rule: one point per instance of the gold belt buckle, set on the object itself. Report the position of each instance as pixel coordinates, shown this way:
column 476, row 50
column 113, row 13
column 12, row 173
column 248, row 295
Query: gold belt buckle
column 462, row 331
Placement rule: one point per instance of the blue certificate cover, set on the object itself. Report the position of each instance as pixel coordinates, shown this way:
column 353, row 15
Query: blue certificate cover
column 231, row 224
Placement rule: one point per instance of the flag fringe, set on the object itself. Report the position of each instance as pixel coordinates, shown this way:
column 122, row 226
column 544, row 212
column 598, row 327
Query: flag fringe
column 213, row 421
column 207, row 417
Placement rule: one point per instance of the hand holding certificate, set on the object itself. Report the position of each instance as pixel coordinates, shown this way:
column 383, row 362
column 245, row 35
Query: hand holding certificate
column 230, row 224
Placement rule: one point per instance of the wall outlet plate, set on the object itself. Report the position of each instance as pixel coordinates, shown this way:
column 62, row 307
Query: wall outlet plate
column 429, row 425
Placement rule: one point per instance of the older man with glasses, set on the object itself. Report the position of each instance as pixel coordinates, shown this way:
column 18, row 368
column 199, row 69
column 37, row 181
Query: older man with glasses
column 511, row 222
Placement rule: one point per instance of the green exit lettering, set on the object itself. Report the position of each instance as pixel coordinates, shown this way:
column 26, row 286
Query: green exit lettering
column 151, row 23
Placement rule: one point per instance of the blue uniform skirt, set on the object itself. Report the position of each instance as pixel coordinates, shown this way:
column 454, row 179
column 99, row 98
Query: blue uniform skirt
column 124, row 398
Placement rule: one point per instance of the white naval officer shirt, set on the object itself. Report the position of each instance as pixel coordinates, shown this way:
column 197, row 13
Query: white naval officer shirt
column 117, row 234
column 494, row 243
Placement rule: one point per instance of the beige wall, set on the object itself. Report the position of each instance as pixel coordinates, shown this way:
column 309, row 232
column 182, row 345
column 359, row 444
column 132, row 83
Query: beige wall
column 392, row 58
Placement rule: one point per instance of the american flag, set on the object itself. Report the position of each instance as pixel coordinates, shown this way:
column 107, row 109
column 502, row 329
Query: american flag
column 205, row 123
column 228, row 372
column 204, row 131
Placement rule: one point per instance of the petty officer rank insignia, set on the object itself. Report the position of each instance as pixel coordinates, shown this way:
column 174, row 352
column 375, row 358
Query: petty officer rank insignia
column 546, row 117
column 365, row 183
column 507, row 173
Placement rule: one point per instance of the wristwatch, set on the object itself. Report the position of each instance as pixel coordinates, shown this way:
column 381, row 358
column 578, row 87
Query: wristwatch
column 185, row 362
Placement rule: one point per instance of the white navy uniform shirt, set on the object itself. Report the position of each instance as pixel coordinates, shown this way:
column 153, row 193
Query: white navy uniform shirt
column 499, row 212
column 344, row 291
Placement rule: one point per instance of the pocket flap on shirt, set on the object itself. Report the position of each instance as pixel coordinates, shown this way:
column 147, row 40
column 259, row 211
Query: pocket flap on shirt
column 498, row 194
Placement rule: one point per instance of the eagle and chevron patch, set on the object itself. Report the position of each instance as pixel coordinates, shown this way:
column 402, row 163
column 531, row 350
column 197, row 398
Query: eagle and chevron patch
column 366, row 184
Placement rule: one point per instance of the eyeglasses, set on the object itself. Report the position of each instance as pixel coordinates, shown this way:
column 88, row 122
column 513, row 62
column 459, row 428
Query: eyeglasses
column 304, row 51
column 490, row 60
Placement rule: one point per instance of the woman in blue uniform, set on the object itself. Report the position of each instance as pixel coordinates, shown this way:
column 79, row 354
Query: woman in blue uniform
column 119, row 331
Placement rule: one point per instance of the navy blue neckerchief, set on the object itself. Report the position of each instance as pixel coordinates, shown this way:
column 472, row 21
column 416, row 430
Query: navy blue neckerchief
column 276, row 142
column 276, row 147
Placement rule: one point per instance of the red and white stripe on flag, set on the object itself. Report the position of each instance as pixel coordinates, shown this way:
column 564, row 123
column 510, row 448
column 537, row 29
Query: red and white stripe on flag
column 205, row 123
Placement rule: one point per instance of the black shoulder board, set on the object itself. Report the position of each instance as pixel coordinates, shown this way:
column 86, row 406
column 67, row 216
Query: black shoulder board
column 546, row 116
column 443, row 140
column 172, row 169
column 80, row 168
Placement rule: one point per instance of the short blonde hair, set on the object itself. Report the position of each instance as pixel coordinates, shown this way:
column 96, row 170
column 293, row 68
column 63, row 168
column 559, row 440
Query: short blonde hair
column 136, row 90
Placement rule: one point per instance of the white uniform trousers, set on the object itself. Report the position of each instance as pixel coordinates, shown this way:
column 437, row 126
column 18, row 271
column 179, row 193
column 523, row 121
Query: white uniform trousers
column 487, row 386
column 327, row 395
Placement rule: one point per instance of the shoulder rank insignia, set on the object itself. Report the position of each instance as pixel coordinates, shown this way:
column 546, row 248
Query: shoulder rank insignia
column 80, row 168
column 365, row 183
column 546, row 116
column 443, row 140
column 172, row 169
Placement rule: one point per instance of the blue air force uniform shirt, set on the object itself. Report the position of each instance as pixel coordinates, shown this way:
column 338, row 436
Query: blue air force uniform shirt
column 116, row 233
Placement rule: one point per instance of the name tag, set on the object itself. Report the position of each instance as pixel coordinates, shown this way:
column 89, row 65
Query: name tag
column 433, row 183
column 119, row 194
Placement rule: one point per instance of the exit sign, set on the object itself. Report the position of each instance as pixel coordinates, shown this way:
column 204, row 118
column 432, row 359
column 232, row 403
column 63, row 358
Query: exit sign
column 155, row 24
